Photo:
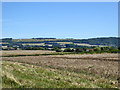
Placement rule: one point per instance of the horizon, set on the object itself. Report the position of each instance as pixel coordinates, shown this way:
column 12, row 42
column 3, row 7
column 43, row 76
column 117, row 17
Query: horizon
column 60, row 38
column 60, row 20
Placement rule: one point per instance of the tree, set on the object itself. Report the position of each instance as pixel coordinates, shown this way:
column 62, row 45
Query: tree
column 67, row 50
column 54, row 48
column 97, row 49
column 78, row 50
column 58, row 50
column 41, row 48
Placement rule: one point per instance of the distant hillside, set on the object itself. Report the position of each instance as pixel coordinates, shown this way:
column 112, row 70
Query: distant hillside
column 107, row 41
column 110, row 41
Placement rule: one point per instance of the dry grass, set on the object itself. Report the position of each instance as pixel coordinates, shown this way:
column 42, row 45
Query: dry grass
column 83, row 44
column 65, row 42
column 104, row 65
column 103, row 55
column 99, row 65
column 41, row 39
column 20, row 75
column 37, row 44
column 25, row 52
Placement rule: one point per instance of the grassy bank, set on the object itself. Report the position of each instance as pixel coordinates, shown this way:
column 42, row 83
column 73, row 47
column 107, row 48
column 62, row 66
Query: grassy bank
column 19, row 75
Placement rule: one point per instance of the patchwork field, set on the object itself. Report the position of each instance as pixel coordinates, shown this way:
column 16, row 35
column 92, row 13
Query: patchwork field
column 82, row 71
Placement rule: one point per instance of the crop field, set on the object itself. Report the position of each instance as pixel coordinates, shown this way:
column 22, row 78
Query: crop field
column 81, row 44
column 59, row 71
column 23, row 52
column 65, row 42
column 37, row 44
column 36, row 40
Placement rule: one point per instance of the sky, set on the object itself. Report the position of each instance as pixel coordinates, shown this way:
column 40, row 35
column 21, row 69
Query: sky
column 78, row 20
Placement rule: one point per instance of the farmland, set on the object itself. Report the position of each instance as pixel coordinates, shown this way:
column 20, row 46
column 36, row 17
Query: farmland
column 59, row 71
column 50, row 43
column 60, row 45
column 23, row 52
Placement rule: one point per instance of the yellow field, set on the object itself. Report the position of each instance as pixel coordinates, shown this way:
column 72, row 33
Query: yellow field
column 38, row 44
column 65, row 42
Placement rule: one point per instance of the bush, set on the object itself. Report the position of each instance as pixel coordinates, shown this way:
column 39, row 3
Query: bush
column 58, row 50
column 54, row 48
column 114, row 51
column 79, row 50
column 34, row 48
column 68, row 50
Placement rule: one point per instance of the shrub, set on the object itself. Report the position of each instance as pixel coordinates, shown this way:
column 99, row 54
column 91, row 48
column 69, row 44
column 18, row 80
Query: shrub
column 58, row 50
column 68, row 50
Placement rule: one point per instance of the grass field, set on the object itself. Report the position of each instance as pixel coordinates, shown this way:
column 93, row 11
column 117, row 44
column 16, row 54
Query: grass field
column 60, row 71
column 19, row 75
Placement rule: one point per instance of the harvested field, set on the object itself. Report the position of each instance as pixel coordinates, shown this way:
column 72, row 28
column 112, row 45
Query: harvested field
column 37, row 44
column 23, row 52
column 20, row 75
column 97, row 64
column 103, row 66
column 103, row 55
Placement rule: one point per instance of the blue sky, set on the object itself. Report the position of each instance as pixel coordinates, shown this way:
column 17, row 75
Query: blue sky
column 60, row 19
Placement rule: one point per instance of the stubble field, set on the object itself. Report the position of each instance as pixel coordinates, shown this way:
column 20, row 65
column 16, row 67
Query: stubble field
column 24, row 52
column 101, row 67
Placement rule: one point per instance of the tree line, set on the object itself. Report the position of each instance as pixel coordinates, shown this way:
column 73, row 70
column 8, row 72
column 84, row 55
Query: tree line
column 93, row 49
